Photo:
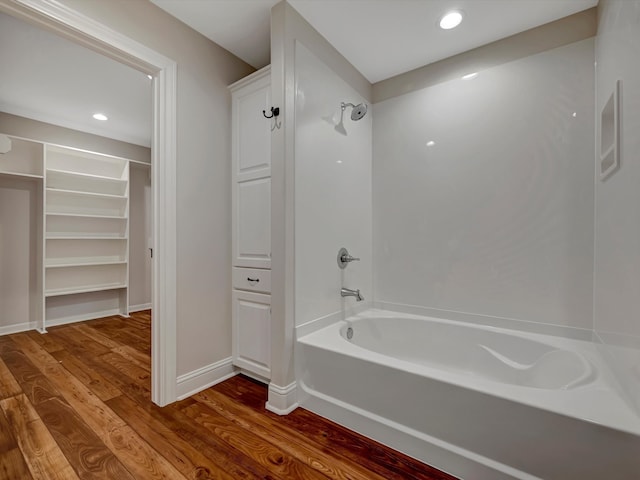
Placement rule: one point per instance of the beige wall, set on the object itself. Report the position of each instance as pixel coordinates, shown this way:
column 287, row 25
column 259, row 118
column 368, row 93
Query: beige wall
column 203, row 171
column 139, row 235
column 20, row 211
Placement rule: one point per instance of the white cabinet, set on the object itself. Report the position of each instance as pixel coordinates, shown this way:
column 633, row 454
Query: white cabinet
column 251, row 223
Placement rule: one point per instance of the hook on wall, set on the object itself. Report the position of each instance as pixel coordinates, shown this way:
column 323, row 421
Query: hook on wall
column 275, row 111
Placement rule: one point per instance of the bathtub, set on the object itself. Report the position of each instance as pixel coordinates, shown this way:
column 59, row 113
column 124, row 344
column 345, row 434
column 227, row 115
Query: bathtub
column 477, row 402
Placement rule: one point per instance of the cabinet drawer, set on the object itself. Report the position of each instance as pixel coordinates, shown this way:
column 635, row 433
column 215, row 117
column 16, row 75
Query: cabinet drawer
column 252, row 279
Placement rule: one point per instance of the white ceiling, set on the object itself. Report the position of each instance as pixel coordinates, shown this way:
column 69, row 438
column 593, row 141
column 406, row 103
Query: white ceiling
column 381, row 38
column 48, row 78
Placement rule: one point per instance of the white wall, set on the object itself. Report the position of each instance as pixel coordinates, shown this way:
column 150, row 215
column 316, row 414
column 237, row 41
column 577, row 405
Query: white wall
column 496, row 218
column 332, row 191
column 203, row 178
column 617, row 246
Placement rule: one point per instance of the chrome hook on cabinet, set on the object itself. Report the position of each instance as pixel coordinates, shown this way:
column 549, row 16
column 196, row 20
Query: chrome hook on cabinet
column 275, row 112
column 344, row 258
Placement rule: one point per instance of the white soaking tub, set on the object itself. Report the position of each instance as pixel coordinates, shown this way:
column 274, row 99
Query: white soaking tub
column 477, row 402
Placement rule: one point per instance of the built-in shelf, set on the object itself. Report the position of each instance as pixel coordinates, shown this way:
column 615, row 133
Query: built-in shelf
column 23, row 160
column 84, row 215
column 86, row 194
column 81, row 237
column 92, row 288
column 91, row 263
column 66, row 174
column 27, row 176
column 84, row 203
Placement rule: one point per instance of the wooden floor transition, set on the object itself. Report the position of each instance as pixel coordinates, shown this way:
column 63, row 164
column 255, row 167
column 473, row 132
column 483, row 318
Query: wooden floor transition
column 75, row 403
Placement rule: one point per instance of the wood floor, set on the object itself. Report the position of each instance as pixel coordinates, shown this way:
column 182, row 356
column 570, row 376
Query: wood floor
column 75, row 403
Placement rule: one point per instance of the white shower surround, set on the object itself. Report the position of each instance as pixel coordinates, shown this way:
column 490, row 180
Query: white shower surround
column 490, row 181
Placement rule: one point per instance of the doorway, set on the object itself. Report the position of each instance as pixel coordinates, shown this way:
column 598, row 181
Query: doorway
column 91, row 34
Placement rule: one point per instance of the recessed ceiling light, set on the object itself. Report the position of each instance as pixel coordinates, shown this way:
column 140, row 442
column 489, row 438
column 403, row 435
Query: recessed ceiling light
column 450, row 20
column 100, row 116
column 149, row 77
column 430, row 143
column 469, row 76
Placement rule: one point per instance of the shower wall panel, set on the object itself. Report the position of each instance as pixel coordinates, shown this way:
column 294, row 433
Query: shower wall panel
column 332, row 191
column 617, row 245
column 483, row 192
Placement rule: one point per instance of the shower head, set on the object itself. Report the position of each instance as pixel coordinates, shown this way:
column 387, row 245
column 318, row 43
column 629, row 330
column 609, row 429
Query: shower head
column 358, row 111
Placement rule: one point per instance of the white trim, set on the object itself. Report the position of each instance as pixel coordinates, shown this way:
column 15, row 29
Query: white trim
column 86, row 31
column 18, row 328
column 83, row 317
column 249, row 79
column 282, row 400
column 139, row 308
column 203, row 378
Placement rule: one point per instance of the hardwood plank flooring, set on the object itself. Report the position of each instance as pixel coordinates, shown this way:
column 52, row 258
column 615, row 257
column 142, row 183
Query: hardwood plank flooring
column 75, row 403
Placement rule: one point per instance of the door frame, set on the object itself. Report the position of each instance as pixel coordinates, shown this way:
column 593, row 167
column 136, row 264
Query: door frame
column 85, row 31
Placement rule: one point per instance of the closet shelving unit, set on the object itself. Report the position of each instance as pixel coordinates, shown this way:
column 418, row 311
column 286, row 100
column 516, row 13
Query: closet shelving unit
column 86, row 247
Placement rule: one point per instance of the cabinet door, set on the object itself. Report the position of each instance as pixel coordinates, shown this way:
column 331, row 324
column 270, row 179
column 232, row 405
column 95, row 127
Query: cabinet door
column 251, row 332
column 252, row 226
column 251, row 131
column 251, row 167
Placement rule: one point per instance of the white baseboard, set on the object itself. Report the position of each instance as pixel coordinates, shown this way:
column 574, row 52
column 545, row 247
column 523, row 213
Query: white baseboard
column 18, row 328
column 139, row 308
column 282, row 400
column 203, row 378
column 82, row 317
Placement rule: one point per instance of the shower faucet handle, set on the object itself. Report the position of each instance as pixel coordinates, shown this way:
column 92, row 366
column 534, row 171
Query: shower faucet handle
column 344, row 258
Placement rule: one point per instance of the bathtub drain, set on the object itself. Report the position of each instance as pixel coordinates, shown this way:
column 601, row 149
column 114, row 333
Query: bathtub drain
column 349, row 333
